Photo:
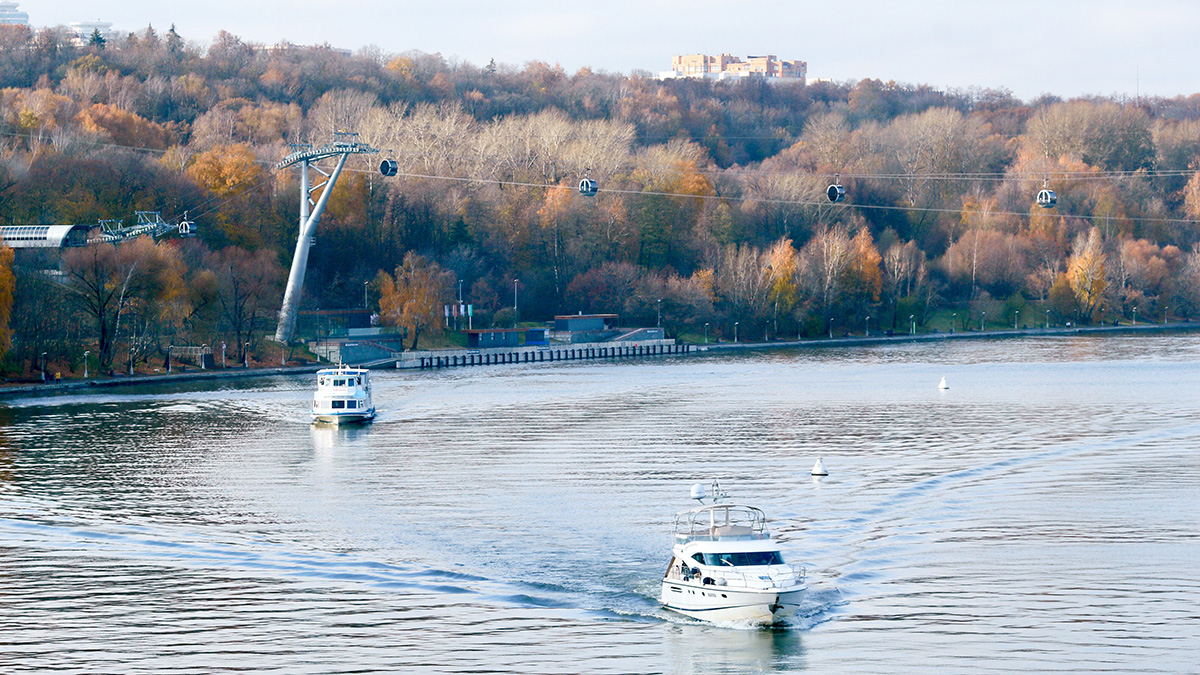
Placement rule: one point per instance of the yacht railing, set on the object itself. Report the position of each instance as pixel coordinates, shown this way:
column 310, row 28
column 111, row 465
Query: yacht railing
column 772, row 577
column 721, row 522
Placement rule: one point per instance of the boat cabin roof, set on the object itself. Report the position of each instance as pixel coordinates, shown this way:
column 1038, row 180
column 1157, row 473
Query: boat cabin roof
column 343, row 370
column 721, row 522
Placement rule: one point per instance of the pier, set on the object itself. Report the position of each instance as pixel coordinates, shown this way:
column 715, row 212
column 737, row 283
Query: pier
column 451, row 358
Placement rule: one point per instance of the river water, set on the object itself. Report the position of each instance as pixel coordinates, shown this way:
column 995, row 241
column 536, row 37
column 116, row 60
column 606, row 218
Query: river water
column 1041, row 514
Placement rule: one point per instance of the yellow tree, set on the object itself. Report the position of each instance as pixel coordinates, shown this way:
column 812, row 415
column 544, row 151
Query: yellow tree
column 781, row 267
column 414, row 297
column 227, row 171
column 865, row 265
column 1087, row 272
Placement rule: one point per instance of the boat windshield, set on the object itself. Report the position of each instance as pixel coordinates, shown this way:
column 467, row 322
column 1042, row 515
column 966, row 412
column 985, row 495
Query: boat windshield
column 743, row 559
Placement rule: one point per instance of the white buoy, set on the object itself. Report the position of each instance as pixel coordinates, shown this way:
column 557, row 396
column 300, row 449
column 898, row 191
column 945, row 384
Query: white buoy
column 943, row 385
column 819, row 468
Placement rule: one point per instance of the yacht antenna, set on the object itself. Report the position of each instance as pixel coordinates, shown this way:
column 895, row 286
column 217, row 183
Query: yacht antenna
column 717, row 493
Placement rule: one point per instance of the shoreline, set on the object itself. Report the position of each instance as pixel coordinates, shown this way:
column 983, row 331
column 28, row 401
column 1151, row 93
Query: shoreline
column 80, row 386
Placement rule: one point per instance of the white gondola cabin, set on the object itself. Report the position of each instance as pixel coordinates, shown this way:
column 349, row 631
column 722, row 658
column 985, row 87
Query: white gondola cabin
column 1046, row 198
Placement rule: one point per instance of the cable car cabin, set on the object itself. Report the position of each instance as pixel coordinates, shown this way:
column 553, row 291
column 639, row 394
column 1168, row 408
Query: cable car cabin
column 187, row 229
column 1047, row 199
column 388, row 167
column 836, row 193
column 588, row 187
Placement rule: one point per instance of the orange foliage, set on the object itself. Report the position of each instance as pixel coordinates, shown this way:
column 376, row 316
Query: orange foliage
column 124, row 127
column 226, row 170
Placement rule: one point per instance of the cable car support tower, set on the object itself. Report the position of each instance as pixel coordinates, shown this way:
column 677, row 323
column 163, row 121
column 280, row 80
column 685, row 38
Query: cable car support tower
column 344, row 145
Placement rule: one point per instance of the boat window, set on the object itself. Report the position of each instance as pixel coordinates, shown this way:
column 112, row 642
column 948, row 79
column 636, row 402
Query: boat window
column 743, row 559
column 338, row 404
column 699, row 557
column 351, row 404
column 339, row 383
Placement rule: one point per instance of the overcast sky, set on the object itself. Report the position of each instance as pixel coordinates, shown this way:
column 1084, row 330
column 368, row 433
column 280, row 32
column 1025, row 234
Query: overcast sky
column 1062, row 47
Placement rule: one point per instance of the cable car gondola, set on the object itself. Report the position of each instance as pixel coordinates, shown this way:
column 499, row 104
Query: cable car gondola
column 1046, row 198
column 836, row 193
column 388, row 167
column 588, row 187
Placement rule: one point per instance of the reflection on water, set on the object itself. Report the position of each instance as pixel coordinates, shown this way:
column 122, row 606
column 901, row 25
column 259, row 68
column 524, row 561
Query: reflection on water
column 1038, row 515
column 733, row 651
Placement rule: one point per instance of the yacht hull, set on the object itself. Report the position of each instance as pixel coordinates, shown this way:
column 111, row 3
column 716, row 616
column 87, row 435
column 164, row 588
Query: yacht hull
column 356, row 418
column 722, row 604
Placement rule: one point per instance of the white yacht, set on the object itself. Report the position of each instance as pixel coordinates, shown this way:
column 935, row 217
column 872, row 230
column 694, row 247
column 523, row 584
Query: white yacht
column 343, row 395
column 726, row 568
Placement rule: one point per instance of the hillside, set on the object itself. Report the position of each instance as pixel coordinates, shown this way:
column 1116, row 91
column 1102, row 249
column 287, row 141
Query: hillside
column 711, row 208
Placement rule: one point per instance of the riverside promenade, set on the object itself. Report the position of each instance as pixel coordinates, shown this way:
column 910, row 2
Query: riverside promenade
column 414, row 359
column 851, row 341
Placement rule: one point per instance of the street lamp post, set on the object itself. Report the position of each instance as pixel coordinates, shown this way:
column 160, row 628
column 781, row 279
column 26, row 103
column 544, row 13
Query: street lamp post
column 953, row 320
column 43, row 366
column 169, row 366
column 246, row 355
column 368, row 281
column 913, row 329
column 85, row 364
column 131, row 360
column 982, row 320
column 203, row 348
column 659, row 322
column 831, row 328
column 460, row 291
column 1016, row 316
column 735, row 325
column 1165, row 308
column 867, row 327
column 1047, row 319
column 514, row 295
column 222, row 353
column 1135, row 316
column 706, row 333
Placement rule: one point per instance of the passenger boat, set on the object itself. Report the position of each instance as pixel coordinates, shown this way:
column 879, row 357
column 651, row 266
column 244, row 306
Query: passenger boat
column 725, row 567
column 343, row 396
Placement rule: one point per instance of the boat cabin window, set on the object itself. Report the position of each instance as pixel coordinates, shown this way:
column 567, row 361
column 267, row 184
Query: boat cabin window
column 338, row 404
column 699, row 557
column 743, row 559
column 351, row 404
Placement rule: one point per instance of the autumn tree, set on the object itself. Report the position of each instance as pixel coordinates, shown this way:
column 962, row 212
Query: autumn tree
column 824, row 265
column 248, row 288
column 1087, row 273
column 110, row 281
column 413, row 298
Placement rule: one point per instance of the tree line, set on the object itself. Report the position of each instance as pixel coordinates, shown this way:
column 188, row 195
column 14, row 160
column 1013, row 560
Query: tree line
column 711, row 209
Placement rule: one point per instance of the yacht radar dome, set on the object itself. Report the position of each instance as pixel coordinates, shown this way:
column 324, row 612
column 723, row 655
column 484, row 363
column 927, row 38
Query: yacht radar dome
column 698, row 492
column 819, row 468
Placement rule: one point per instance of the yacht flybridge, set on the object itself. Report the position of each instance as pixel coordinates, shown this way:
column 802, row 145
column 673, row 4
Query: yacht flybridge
column 726, row 568
column 343, row 395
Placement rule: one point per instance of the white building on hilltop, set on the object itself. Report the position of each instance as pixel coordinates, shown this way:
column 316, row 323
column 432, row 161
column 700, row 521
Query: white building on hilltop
column 9, row 15
column 729, row 67
column 85, row 29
